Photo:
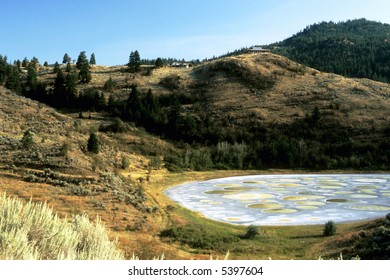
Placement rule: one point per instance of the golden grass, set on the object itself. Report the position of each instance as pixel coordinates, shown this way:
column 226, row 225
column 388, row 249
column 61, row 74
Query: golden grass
column 33, row 231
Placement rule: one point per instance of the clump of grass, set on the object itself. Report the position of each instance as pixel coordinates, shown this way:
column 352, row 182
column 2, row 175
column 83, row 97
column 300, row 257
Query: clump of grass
column 33, row 231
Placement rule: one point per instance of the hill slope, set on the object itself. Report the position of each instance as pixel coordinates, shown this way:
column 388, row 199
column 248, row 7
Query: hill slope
column 248, row 111
column 286, row 114
column 355, row 48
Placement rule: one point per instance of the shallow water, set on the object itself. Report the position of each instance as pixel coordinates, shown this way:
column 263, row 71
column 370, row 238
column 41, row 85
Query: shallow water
column 287, row 199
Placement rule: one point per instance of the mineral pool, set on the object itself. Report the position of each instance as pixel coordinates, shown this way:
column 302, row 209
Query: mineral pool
column 287, row 199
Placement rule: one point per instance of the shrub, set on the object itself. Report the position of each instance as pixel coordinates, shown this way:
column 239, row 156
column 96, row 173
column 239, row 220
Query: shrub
column 64, row 149
column 93, row 143
column 171, row 82
column 33, row 231
column 117, row 126
column 110, row 85
column 329, row 228
column 27, row 139
column 252, row 232
column 197, row 236
column 125, row 162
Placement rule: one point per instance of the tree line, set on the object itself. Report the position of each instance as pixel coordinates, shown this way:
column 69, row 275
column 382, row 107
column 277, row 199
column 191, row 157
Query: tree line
column 355, row 48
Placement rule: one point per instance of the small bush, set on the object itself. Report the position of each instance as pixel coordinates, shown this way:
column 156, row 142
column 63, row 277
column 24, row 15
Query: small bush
column 125, row 162
column 171, row 82
column 252, row 232
column 199, row 237
column 93, row 143
column 110, row 85
column 64, row 149
column 329, row 228
column 27, row 139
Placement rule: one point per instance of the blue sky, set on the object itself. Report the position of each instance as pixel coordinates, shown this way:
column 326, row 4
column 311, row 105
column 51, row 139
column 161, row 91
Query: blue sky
column 185, row 29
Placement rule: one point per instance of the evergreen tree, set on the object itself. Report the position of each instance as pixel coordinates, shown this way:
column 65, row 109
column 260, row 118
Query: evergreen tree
column 13, row 81
column 93, row 143
column 46, row 64
column 159, row 63
column 134, row 61
column 92, row 60
column 35, row 62
column 81, row 60
column 137, row 61
column 25, row 62
column 56, row 68
column 59, row 90
column 329, row 228
column 84, row 69
column 66, row 58
column 27, row 139
column 71, row 88
column 18, row 64
column 131, row 61
column 4, row 69
column 68, row 67
column 32, row 79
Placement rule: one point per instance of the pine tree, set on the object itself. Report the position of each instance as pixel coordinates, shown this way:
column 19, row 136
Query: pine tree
column 71, row 88
column 18, row 64
column 83, row 65
column 66, row 58
column 68, row 67
column 134, row 61
column 137, row 61
column 81, row 60
column 131, row 61
column 27, row 139
column 4, row 69
column 329, row 228
column 25, row 62
column 159, row 63
column 56, row 67
column 93, row 143
column 59, row 90
column 32, row 79
column 35, row 62
column 92, row 60
column 13, row 81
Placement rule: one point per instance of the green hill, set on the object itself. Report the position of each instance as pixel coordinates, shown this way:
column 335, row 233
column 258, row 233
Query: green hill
column 355, row 48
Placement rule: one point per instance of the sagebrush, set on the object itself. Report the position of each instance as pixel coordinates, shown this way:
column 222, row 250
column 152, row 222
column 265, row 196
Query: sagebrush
column 32, row 231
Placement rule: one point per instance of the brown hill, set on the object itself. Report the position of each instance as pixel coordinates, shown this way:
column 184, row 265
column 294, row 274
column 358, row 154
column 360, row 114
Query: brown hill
column 272, row 89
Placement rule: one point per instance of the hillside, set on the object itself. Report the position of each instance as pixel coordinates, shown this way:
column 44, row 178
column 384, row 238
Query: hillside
column 56, row 168
column 355, row 48
column 249, row 111
column 280, row 114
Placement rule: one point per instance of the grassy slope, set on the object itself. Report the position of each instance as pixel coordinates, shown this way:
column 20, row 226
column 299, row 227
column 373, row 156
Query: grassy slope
column 297, row 88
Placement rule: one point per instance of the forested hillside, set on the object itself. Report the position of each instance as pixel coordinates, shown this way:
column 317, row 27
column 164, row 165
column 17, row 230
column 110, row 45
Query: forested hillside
column 251, row 111
column 355, row 48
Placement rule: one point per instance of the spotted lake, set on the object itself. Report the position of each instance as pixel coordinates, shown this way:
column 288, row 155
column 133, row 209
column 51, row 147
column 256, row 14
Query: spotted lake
column 287, row 199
